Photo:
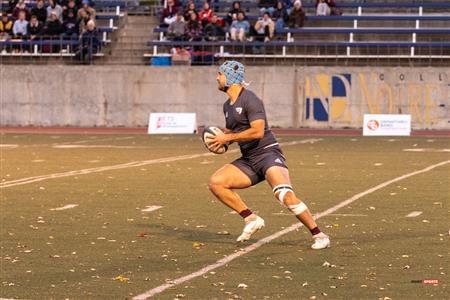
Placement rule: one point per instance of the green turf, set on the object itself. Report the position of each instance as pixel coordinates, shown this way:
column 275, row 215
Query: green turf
column 77, row 253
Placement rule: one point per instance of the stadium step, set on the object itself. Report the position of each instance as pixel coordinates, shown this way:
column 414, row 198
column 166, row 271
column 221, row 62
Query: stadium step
column 130, row 40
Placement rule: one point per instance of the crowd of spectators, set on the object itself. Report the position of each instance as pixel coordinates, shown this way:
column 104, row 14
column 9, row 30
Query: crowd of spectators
column 56, row 18
column 186, row 23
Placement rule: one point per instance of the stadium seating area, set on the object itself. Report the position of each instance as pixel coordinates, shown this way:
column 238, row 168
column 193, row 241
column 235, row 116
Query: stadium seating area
column 409, row 30
column 358, row 29
column 68, row 37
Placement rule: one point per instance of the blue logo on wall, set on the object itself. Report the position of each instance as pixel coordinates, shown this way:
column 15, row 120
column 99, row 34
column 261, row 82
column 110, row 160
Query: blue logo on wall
column 320, row 101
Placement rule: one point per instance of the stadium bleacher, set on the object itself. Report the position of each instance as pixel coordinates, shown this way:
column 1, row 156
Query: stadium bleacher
column 410, row 29
column 108, row 13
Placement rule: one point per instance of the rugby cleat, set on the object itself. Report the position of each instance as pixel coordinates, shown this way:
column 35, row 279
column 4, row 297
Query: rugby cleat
column 321, row 241
column 250, row 228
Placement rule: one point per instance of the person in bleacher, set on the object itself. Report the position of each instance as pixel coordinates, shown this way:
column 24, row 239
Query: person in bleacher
column 21, row 6
column 177, row 29
column 214, row 31
column 280, row 15
column 87, row 10
column 297, row 16
column 53, row 27
column 233, row 12
column 190, row 8
column 205, row 14
column 6, row 27
column 71, row 26
column 70, row 7
column 264, row 28
column 334, row 11
column 266, row 5
column 323, row 9
column 40, row 11
column 169, row 14
column 240, row 28
column 194, row 28
column 34, row 28
column 89, row 43
column 20, row 26
column 54, row 7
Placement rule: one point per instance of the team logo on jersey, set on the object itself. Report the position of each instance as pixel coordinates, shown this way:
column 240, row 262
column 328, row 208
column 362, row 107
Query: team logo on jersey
column 239, row 110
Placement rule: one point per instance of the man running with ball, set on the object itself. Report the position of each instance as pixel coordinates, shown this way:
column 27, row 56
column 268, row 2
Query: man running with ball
column 262, row 158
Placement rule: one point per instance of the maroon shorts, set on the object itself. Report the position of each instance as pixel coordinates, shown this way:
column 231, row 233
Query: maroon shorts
column 255, row 166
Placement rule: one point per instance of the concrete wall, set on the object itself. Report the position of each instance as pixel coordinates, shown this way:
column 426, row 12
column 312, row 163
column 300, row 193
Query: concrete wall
column 294, row 96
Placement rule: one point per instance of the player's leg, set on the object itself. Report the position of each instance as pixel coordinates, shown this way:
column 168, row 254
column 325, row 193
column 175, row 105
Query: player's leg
column 222, row 183
column 278, row 178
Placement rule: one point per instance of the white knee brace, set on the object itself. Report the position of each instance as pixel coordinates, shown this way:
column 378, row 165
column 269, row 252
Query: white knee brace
column 282, row 190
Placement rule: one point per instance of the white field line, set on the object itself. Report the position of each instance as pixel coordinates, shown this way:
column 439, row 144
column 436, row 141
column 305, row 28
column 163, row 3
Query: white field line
column 414, row 214
column 8, row 146
column 95, row 140
column 151, row 208
column 268, row 239
column 68, row 206
column 73, row 146
column 132, row 164
column 426, row 150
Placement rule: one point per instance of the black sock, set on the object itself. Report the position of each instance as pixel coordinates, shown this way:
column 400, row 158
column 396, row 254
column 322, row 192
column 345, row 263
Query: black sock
column 315, row 230
column 245, row 213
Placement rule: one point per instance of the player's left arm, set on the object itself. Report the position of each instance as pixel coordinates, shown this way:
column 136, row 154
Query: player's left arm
column 255, row 132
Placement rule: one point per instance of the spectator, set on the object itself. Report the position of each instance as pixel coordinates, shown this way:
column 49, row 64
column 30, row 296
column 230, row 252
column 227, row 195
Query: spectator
column 71, row 25
column 264, row 28
column 20, row 26
column 205, row 14
column 334, row 10
column 21, row 6
column 190, row 8
column 280, row 15
column 53, row 27
column 194, row 28
column 297, row 15
column 89, row 43
column 267, row 5
column 214, row 31
column 177, row 29
column 323, row 9
column 86, row 11
column 71, row 7
column 34, row 27
column 65, row 4
column 6, row 27
column 289, row 4
column 40, row 11
column 82, row 18
column 54, row 7
column 169, row 13
column 233, row 13
column 240, row 28
column 11, row 5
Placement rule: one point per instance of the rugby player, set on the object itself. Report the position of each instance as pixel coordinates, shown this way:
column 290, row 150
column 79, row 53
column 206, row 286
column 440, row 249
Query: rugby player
column 262, row 158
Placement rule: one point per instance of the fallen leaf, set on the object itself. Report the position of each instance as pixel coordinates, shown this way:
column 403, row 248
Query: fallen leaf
column 197, row 245
column 121, row 278
column 242, row 286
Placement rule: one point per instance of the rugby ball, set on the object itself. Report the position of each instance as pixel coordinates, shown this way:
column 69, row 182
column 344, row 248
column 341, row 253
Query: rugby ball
column 208, row 134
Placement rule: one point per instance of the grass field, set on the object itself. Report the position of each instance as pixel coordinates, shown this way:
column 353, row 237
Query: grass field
column 84, row 234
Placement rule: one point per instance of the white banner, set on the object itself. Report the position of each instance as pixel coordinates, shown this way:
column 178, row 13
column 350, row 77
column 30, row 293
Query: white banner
column 168, row 123
column 387, row 125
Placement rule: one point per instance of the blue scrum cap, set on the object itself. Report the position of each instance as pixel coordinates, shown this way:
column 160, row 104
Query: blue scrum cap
column 233, row 71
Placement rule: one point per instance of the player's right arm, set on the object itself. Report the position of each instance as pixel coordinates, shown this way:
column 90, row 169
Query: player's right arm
column 255, row 132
